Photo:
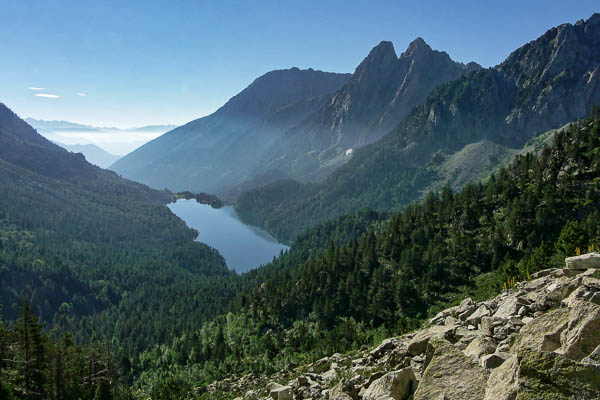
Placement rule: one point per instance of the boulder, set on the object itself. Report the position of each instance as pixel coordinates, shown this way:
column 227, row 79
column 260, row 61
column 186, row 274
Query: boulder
column 487, row 326
column 543, row 333
column 510, row 306
column 582, row 335
column 475, row 318
column 491, row 361
column 385, row 346
column 397, row 385
column 279, row 392
column 418, row 343
column 344, row 390
column 450, row 373
column 584, row 261
column 480, row 346
column 328, row 377
column 374, row 376
column 532, row 375
column 560, row 289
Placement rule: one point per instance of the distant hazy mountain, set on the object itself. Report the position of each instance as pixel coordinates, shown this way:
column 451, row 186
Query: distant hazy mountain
column 92, row 153
column 73, row 126
column 464, row 126
column 110, row 139
column 382, row 90
column 223, row 148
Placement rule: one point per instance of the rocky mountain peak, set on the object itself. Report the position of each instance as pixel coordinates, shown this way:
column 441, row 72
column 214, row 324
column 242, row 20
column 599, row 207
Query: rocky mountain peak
column 417, row 47
column 382, row 56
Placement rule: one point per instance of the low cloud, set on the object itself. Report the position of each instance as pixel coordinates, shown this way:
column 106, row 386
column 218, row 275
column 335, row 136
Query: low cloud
column 49, row 96
column 36, row 88
column 81, row 94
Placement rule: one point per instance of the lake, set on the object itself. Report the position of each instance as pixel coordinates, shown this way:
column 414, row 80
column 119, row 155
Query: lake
column 244, row 247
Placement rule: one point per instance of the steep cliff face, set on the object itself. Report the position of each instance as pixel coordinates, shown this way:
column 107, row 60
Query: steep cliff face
column 382, row 90
column 537, row 340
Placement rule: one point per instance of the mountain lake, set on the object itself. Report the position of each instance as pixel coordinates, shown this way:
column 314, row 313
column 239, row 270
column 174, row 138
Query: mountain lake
column 244, row 247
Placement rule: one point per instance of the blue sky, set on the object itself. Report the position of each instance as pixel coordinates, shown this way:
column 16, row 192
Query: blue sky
column 155, row 62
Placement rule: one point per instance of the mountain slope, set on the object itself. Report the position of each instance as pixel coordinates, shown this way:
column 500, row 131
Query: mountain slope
column 87, row 248
column 527, row 218
column 92, row 153
column 542, row 85
column 221, row 149
column 382, row 90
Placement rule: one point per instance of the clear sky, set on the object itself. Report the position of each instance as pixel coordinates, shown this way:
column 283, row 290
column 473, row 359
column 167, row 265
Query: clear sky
column 127, row 63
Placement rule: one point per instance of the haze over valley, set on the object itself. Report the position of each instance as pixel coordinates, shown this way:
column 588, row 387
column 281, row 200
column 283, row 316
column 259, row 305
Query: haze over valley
column 333, row 201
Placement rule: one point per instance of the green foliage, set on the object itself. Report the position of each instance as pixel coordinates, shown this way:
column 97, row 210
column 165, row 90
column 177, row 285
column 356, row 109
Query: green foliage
column 33, row 365
column 388, row 278
column 96, row 254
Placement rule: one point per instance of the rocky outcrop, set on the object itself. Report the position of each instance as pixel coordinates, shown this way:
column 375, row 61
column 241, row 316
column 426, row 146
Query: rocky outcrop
column 451, row 374
column 585, row 261
column 539, row 340
column 396, row 384
column 543, row 375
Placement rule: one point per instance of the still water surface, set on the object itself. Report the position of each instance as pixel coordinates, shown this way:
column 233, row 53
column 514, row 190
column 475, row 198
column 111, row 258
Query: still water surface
column 244, row 247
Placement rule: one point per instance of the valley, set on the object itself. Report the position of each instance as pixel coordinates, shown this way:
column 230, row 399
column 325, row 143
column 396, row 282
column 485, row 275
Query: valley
column 421, row 228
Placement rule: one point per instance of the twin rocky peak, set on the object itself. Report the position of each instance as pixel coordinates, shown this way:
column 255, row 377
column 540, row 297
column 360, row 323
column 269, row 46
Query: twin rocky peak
column 293, row 123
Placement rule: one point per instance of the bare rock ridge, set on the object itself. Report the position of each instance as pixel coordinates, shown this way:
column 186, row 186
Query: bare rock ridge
column 540, row 339
column 382, row 90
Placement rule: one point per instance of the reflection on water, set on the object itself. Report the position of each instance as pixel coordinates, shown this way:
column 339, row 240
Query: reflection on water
column 244, row 247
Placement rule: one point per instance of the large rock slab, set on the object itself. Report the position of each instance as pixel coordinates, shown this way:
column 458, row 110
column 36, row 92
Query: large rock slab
column 584, row 261
column 582, row 335
column 503, row 383
column 543, row 333
column 452, row 374
column 533, row 375
column 397, row 385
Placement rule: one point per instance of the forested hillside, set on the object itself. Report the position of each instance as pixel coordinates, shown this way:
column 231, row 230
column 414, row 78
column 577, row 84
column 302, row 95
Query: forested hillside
column 541, row 86
column 527, row 217
column 34, row 365
column 97, row 254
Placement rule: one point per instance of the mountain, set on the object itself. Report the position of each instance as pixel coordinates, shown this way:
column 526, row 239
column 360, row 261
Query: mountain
column 543, row 85
column 92, row 153
column 89, row 250
column 110, row 139
column 45, row 125
column 221, row 149
column 382, row 90
column 418, row 278
column 59, row 125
